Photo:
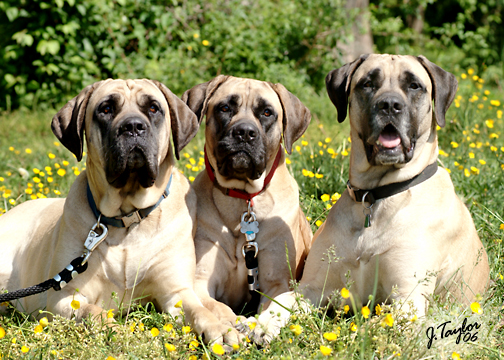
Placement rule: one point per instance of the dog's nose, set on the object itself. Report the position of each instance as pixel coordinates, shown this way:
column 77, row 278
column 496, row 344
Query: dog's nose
column 133, row 127
column 391, row 105
column 244, row 132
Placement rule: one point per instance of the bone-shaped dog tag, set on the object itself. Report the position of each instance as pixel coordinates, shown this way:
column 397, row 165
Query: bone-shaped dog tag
column 249, row 227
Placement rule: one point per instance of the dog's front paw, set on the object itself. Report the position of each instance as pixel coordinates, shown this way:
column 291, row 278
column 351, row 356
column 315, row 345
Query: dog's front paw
column 227, row 336
column 258, row 332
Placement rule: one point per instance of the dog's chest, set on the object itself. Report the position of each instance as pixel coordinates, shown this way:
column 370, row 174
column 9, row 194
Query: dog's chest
column 125, row 263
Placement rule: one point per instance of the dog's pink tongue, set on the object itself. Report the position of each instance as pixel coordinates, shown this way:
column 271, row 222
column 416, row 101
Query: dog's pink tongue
column 389, row 141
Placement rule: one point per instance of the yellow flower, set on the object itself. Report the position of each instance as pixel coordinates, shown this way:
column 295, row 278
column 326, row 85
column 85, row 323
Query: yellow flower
column 365, row 312
column 191, row 178
column 318, row 223
column 195, row 35
column 344, row 152
column 495, row 102
column 38, row 329
column 353, row 327
column 345, row 294
column 178, row 304
column 455, row 356
column 319, row 176
column 110, row 358
column 467, row 173
column 335, row 197
column 489, row 123
column 168, row 327
column 44, row 322
column 475, row 170
column 75, row 304
column 25, row 349
column 186, row 329
column 501, row 226
column 65, row 163
column 205, row 43
column 11, row 148
column 378, row 309
column 325, row 197
column 12, row 201
column 170, row 347
column 193, row 344
column 493, row 136
column 218, row 349
column 326, row 351
column 296, row 329
column 28, row 151
column 251, row 325
column 414, row 318
column 499, row 114
column 236, row 347
column 493, row 148
column 470, row 71
column 61, row 172
column 482, row 162
column 471, row 155
column 388, row 320
column 76, row 172
column 304, row 142
column 298, row 148
column 476, row 308
column 463, row 76
column 51, row 156
column 330, row 336
column 454, row 144
column 346, row 308
column 110, row 314
column 288, row 161
column 36, row 180
column 154, row 332
column 442, row 153
column 327, row 139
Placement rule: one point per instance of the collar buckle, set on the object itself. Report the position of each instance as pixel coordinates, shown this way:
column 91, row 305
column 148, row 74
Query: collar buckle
column 131, row 219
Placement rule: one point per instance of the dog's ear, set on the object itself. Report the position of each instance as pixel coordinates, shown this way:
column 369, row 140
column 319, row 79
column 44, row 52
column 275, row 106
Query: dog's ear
column 197, row 97
column 184, row 123
column 68, row 123
column 338, row 85
column 444, row 88
column 296, row 116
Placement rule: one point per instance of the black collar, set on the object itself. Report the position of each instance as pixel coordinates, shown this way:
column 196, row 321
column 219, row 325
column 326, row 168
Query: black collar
column 132, row 218
column 381, row 192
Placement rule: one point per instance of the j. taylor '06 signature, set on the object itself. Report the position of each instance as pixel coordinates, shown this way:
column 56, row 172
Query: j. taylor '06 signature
column 464, row 332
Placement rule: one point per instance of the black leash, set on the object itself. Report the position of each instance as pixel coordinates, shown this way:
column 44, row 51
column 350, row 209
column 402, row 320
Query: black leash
column 58, row 282
column 253, row 282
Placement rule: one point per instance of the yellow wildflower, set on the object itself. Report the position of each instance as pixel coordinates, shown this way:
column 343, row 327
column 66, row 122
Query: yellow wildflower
column 168, row 327
column 38, row 329
column 346, row 308
column 25, row 349
column 325, row 197
column 471, row 155
column 236, row 347
column 193, row 344
column 318, row 223
column 454, row 144
column 467, row 173
column 195, row 35
column 28, row 151
column 482, row 162
column 463, row 76
column 205, row 43
column 475, row 170
column 296, row 329
column 61, row 172
column 319, row 176
column 170, row 347
column 65, row 163
column 476, row 308
column 330, row 336
column 178, row 304
column 388, row 320
column 345, row 294
column 186, row 329
column 218, row 349
column 353, row 327
column 75, row 304
column 326, row 351
column 344, row 152
column 495, row 102
column 44, row 322
column 455, row 356
column 378, row 309
column 154, row 332
column 365, row 312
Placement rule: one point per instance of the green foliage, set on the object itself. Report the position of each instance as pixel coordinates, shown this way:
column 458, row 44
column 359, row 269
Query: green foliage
column 51, row 50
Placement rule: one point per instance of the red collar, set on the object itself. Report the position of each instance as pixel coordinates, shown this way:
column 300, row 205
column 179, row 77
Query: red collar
column 241, row 194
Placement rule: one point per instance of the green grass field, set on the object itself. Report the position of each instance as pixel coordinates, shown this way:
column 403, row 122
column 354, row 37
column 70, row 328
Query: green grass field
column 34, row 165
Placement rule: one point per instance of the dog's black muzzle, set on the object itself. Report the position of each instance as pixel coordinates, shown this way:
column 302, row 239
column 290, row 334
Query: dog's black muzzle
column 133, row 151
column 241, row 153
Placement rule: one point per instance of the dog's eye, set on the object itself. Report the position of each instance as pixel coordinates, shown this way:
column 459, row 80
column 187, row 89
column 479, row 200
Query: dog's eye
column 153, row 108
column 107, row 109
column 368, row 84
column 414, row 86
column 267, row 113
column 224, row 108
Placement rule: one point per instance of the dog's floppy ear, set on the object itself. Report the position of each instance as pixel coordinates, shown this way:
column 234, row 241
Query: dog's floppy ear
column 296, row 116
column 444, row 88
column 184, row 123
column 68, row 123
column 338, row 85
column 197, row 97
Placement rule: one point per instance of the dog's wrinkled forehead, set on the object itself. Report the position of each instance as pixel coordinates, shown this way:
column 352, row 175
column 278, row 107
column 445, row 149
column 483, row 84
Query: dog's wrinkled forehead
column 127, row 94
column 246, row 93
column 390, row 70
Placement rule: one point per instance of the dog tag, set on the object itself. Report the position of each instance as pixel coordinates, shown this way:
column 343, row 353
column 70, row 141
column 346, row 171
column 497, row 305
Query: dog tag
column 367, row 222
column 249, row 227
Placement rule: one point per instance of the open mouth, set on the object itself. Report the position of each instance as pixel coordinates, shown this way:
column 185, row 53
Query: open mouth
column 389, row 148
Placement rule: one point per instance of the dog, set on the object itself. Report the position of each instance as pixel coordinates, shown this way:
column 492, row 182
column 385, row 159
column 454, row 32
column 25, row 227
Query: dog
column 407, row 223
column 131, row 188
column 246, row 176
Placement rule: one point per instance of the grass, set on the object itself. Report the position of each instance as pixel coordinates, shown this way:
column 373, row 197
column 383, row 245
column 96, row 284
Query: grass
column 34, row 165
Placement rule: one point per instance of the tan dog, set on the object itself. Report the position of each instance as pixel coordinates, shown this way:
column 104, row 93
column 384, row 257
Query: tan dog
column 130, row 163
column 419, row 235
column 244, row 123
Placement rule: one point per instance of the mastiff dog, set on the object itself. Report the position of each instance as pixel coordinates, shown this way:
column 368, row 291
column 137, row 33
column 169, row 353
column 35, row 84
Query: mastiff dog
column 129, row 218
column 399, row 223
column 252, row 235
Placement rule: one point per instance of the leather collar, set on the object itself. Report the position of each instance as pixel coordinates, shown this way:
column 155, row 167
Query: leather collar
column 381, row 192
column 237, row 193
column 130, row 219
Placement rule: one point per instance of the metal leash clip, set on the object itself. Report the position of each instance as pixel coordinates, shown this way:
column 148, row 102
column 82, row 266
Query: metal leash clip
column 249, row 227
column 94, row 239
